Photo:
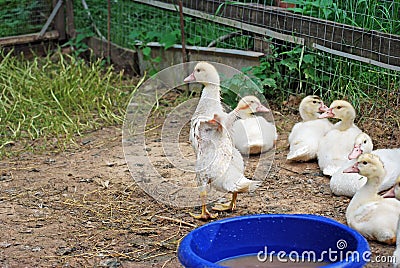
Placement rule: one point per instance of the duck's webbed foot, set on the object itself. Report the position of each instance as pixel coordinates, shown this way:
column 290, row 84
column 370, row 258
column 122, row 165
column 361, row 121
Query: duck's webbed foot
column 227, row 206
column 205, row 214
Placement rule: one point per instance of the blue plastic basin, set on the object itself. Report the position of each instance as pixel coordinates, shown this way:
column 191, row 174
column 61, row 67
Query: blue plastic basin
column 300, row 234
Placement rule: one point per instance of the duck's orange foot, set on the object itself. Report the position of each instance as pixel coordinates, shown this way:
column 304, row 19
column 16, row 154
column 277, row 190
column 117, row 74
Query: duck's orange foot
column 205, row 215
column 231, row 206
column 224, row 207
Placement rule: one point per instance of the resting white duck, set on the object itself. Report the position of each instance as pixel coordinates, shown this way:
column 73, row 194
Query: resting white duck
column 389, row 157
column 210, row 100
column 252, row 134
column 334, row 147
column 395, row 192
column 347, row 184
column 219, row 164
column 305, row 136
column 370, row 214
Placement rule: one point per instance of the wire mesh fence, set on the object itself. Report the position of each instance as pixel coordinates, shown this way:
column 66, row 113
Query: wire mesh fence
column 133, row 22
column 346, row 49
column 23, row 17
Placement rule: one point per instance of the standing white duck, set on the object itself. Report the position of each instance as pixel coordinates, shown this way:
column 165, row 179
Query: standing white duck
column 370, row 214
column 219, row 164
column 252, row 134
column 334, row 147
column 305, row 136
column 389, row 157
column 395, row 192
column 210, row 100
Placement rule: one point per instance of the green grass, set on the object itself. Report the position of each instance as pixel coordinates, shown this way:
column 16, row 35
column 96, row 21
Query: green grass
column 57, row 97
column 380, row 15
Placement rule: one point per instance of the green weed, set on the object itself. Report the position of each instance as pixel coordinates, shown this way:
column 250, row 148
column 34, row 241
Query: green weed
column 44, row 98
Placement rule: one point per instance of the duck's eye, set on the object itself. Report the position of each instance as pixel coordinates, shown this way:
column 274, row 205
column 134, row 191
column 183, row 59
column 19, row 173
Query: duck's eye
column 339, row 107
column 365, row 162
column 198, row 70
column 314, row 101
column 365, row 141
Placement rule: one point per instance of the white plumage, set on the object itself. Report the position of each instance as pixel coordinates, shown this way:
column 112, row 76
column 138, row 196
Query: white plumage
column 218, row 161
column 219, row 164
column 334, row 147
column 210, row 100
column 372, row 215
column 395, row 192
column 347, row 184
column 305, row 136
column 252, row 134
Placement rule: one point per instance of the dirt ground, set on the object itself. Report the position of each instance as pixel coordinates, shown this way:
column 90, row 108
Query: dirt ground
column 82, row 208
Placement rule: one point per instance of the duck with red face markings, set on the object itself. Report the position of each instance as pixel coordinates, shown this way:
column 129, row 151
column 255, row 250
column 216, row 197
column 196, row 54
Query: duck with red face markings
column 219, row 164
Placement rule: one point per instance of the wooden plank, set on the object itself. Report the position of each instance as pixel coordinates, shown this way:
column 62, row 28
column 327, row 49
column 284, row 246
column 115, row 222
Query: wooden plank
column 124, row 58
column 374, row 45
column 27, row 38
column 358, row 58
column 227, row 22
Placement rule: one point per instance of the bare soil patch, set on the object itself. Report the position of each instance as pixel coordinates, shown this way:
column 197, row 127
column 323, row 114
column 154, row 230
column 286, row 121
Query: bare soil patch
column 81, row 207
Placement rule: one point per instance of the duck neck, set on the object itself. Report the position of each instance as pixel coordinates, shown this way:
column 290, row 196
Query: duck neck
column 345, row 124
column 308, row 116
column 231, row 118
column 211, row 91
column 367, row 193
column 245, row 114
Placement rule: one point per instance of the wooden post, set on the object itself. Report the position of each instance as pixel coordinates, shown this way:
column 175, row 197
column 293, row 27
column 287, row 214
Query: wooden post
column 109, row 30
column 184, row 59
column 59, row 21
column 69, row 13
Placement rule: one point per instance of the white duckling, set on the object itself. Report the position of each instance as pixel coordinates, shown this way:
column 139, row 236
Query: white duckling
column 389, row 157
column 370, row 214
column 347, row 184
column 334, row 147
column 305, row 136
column 252, row 134
column 219, row 164
column 210, row 100
column 395, row 192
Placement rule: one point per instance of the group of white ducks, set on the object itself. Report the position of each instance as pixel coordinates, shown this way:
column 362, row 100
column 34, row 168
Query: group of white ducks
column 343, row 152
column 346, row 154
